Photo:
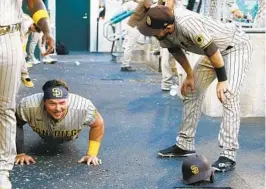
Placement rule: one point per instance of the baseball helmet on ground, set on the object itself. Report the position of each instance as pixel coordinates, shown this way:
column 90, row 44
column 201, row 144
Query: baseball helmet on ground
column 196, row 168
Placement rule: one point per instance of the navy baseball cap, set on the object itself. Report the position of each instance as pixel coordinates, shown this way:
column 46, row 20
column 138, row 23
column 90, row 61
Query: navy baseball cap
column 156, row 18
column 196, row 168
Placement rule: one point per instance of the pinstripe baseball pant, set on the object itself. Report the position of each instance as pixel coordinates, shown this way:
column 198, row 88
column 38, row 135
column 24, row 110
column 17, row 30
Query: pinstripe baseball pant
column 131, row 38
column 166, row 67
column 11, row 56
column 236, row 62
column 36, row 38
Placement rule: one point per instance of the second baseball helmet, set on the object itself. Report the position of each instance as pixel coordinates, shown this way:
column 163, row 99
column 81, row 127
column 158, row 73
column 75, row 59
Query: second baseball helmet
column 196, row 168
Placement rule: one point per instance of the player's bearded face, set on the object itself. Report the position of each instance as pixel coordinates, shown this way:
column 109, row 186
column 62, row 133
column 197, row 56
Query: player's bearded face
column 165, row 32
column 56, row 108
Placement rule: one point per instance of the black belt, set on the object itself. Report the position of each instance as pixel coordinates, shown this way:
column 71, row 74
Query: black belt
column 9, row 29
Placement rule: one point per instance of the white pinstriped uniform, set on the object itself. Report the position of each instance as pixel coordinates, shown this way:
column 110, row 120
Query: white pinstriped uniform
column 81, row 113
column 189, row 28
column 10, row 67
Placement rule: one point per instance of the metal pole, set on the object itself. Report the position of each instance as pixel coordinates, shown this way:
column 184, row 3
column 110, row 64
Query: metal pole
column 97, row 34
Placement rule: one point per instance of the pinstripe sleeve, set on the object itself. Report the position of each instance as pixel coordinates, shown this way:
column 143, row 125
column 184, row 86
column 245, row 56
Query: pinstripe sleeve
column 21, row 111
column 194, row 29
column 91, row 114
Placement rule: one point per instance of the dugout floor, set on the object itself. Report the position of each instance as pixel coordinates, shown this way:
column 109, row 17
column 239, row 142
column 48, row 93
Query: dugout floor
column 140, row 119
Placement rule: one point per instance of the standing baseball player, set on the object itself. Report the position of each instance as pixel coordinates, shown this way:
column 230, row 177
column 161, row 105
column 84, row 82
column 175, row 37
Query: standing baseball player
column 132, row 34
column 224, row 10
column 131, row 37
column 36, row 38
column 59, row 116
column 229, row 51
column 10, row 67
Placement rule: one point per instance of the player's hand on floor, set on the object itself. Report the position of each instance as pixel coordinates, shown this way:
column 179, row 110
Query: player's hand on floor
column 189, row 82
column 49, row 41
column 223, row 91
column 22, row 159
column 90, row 160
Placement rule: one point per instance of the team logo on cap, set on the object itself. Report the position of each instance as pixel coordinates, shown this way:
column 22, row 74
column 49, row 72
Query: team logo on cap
column 57, row 92
column 194, row 169
column 148, row 20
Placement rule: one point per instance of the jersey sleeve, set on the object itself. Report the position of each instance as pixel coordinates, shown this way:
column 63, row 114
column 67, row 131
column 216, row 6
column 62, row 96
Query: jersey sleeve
column 195, row 31
column 91, row 114
column 21, row 111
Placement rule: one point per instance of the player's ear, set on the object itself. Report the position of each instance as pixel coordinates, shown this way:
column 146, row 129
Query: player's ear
column 170, row 27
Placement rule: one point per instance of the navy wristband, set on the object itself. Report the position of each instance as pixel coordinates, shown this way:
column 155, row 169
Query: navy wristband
column 221, row 74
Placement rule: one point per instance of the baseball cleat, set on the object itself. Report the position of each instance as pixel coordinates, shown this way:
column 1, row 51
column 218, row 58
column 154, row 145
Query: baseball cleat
column 28, row 65
column 175, row 151
column 33, row 60
column 49, row 60
column 127, row 69
column 223, row 164
column 27, row 81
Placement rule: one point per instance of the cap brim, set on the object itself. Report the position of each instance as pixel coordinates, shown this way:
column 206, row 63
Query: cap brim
column 145, row 30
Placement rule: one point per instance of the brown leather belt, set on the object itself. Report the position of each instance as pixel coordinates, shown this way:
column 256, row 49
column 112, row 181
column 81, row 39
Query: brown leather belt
column 9, row 29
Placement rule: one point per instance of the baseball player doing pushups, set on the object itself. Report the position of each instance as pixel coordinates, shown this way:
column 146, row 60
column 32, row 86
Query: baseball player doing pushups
column 229, row 52
column 59, row 116
column 11, row 58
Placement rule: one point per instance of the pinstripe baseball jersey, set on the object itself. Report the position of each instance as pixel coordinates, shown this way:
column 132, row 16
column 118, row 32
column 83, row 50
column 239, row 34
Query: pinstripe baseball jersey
column 10, row 12
column 194, row 32
column 81, row 113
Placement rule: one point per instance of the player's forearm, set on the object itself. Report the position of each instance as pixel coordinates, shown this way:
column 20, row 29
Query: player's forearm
column 217, row 59
column 218, row 63
column 96, row 133
column 20, row 139
column 39, row 15
column 181, row 58
column 19, row 133
column 95, row 136
column 171, row 4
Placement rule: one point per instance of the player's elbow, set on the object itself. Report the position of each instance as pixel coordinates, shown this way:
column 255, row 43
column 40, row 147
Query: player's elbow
column 98, row 125
column 101, row 125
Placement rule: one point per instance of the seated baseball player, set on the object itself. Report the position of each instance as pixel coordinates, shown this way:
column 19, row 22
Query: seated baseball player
column 58, row 116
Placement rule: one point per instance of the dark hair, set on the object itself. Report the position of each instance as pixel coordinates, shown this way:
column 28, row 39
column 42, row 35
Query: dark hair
column 37, row 28
column 55, row 83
